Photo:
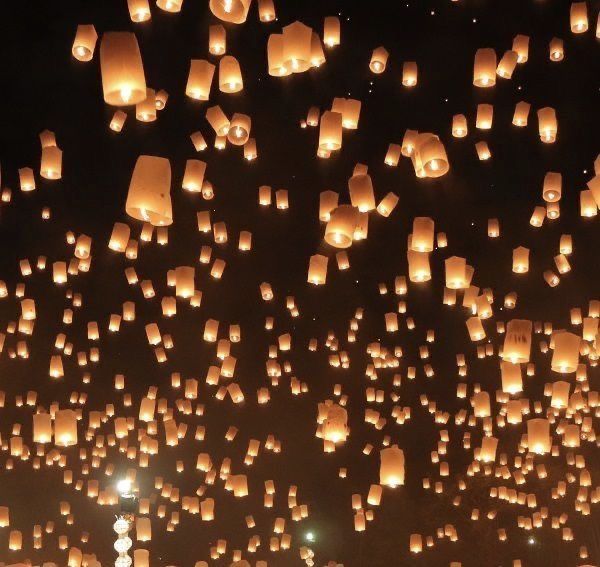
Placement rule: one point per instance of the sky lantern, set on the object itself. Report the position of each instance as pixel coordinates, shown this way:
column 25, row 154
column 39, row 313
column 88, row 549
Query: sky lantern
column 149, row 197
column 232, row 11
column 123, row 79
column 484, row 71
column 84, row 43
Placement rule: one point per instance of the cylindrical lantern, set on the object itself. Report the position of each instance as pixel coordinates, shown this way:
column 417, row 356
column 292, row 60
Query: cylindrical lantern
column 149, row 197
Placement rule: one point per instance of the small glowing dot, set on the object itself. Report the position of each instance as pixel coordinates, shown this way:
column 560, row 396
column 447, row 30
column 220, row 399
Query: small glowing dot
column 310, row 536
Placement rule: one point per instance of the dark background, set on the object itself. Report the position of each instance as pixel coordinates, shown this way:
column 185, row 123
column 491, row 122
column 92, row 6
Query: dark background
column 44, row 87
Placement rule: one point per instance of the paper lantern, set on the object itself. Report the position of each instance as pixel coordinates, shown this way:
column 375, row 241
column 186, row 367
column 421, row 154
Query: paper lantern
column 139, row 10
column 230, row 75
column 379, row 59
column 145, row 111
column 512, row 381
column 521, row 113
column 475, row 328
column 331, row 31
column 217, row 39
column 487, row 453
column 330, row 132
column 361, row 191
column 26, row 179
column 538, row 435
column 149, row 197
column 172, row 6
column 459, row 126
column 456, row 272
column 193, row 176
column 507, row 64
column 200, row 79
column 117, row 121
column 317, row 269
column 484, row 70
column 387, row 204
column 409, row 73
column 517, row 341
column 565, row 357
column 42, row 428
column 579, row 17
column 423, row 234
column 548, row 126
column 391, row 467
column 520, row 263
column 335, row 426
column 217, row 119
column 239, row 129
column 84, row 42
column 266, row 10
column 123, row 79
column 552, row 189
column 556, row 49
column 429, row 156
column 419, row 269
column 339, row 231
column 51, row 166
column 275, row 56
column 65, row 428
column 415, row 543
column 349, row 108
column 521, row 47
column 297, row 44
column 232, row 11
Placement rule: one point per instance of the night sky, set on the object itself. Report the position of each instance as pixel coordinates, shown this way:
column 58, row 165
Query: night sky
column 45, row 87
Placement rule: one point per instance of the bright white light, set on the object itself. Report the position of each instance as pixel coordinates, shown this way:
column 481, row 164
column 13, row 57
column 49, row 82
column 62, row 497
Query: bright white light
column 124, row 486
column 531, row 541
column 310, row 536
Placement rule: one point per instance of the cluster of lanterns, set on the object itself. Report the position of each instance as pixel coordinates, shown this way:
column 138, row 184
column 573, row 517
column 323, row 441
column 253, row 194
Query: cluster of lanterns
column 532, row 416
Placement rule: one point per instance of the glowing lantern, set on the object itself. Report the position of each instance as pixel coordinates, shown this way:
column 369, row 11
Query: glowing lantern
column 391, row 469
column 65, row 428
column 484, row 71
column 275, row 57
column 538, row 435
column 409, row 74
column 84, row 42
column 379, row 59
column 232, row 11
column 331, row 31
column 521, row 47
column 230, row 75
column 339, row 231
column 266, row 10
column 139, row 10
column 199, row 79
column 317, row 269
column 507, row 64
column 565, row 357
column 123, row 80
column 579, row 17
column 149, row 197
column 239, row 129
column 419, row 269
column 556, row 49
column 193, row 176
column 548, row 126
column 330, row 131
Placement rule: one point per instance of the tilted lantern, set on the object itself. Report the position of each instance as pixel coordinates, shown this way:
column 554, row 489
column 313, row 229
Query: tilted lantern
column 149, row 197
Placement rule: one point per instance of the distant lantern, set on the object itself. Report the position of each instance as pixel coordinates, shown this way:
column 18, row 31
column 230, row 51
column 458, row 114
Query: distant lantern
column 331, row 31
column 218, row 120
column 230, row 75
column 361, row 191
column 217, row 39
column 556, row 49
column 297, row 42
column 520, row 260
column 123, row 80
column 521, row 114
column 548, row 126
column 145, row 111
column 84, row 42
column 507, row 64
column 317, row 269
column 552, row 189
column 379, row 59
column 565, row 357
column 339, row 231
column 521, row 47
column 410, row 73
column 193, row 176
column 429, row 157
column 266, row 10
column 459, row 126
column 538, row 436
column 419, row 269
column 423, row 234
column 239, row 129
column 65, row 428
column 512, row 381
column 484, row 71
column 517, row 341
column 330, row 133
column 51, row 166
column 172, row 6
column 275, row 57
column 117, row 121
column 391, row 467
column 232, row 11
column 485, row 116
column 149, row 197
column 199, row 79
column 139, row 10
column 579, row 17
